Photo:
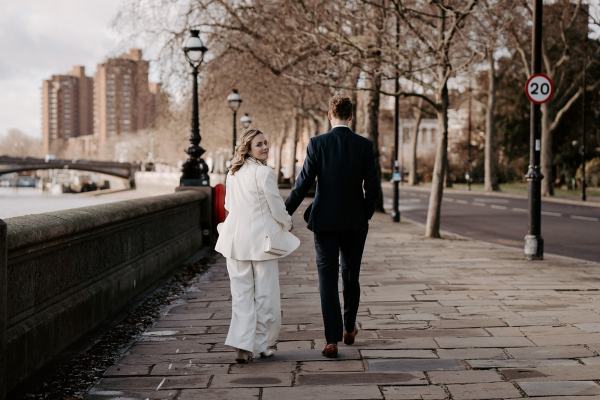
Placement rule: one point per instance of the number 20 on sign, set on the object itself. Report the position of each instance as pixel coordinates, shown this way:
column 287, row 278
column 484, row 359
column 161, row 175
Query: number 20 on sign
column 539, row 88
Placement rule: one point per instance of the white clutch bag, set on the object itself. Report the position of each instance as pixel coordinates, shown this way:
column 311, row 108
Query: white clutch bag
column 276, row 243
column 281, row 243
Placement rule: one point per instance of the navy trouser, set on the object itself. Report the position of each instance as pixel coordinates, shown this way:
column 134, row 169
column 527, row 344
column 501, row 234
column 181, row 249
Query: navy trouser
column 335, row 247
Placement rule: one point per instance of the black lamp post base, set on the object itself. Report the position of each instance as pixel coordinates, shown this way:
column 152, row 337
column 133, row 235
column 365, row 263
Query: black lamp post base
column 194, row 173
column 195, row 182
column 534, row 247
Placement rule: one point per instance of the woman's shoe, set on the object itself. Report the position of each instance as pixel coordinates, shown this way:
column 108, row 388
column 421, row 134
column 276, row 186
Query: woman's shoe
column 270, row 352
column 243, row 356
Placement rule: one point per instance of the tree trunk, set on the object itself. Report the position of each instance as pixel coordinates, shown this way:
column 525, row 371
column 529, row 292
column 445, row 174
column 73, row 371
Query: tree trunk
column 355, row 77
column 490, row 179
column 412, row 174
column 372, row 129
column 279, row 152
column 295, row 137
column 317, row 125
column 546, row 153
column 432, row 227
column 448, row 182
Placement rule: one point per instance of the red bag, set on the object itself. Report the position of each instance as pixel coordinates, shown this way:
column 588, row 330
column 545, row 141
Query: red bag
column 219, row 203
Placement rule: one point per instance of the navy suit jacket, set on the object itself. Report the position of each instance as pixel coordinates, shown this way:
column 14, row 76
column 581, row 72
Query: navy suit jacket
column 343, row 164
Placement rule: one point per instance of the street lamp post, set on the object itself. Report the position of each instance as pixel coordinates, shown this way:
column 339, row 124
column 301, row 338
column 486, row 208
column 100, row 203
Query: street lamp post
column 234, row 100
column 246, row 121
column 195, row 170
column 534, row 243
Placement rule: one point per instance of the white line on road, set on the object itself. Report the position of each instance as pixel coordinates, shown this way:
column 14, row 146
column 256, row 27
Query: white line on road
column 551, row 214
column 450, row 199
column 579, row 217
column 160, row 384
column 497, row 207
column 462, row 201
column 519, row 209
column 478, row 204
column 482, row 200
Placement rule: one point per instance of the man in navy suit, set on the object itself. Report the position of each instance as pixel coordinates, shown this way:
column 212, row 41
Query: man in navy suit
column 343, row 165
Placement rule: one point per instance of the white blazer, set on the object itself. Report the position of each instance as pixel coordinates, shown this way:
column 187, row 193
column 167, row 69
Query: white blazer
column 253, row 214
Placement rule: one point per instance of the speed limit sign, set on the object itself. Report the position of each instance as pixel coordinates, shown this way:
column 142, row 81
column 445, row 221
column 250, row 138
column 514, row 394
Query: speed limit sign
column 539, row 88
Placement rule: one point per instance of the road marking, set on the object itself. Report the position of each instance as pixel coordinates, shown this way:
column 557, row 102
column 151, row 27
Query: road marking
column 579, row 217
column 551, row 214
column 170, row 366
column 462, row 201
column 160, row 384
column 406, row 200
column 482, row 200
column 478, row 204
column 497, row 207
column 450, row 199
column 519, row 209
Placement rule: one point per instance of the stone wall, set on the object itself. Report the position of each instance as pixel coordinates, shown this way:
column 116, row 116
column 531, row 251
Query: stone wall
column 66, row 272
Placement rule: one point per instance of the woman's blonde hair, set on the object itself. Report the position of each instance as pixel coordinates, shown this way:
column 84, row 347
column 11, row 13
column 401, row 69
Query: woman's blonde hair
column 242, row 151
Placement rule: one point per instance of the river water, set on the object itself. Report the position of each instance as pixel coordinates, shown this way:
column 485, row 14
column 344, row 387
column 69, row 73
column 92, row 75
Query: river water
column 23, row 201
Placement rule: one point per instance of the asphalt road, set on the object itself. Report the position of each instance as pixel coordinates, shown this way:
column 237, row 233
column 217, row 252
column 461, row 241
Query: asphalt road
column 568, row 230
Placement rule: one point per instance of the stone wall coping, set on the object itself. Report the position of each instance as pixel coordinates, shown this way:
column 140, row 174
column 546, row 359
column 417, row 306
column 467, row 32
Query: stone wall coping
column 33, row 229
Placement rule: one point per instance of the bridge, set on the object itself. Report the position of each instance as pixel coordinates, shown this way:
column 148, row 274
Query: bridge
column 123, row 170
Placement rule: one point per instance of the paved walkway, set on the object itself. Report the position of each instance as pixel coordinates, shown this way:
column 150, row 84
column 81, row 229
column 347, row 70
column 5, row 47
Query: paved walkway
column 439, row 319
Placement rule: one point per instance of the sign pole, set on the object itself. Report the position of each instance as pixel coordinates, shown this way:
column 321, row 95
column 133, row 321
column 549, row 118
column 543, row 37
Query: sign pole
column 395, row 167
column 534, row 243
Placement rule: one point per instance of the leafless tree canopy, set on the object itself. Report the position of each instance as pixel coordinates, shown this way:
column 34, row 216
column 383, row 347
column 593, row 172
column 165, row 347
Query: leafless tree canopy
column 287, row 57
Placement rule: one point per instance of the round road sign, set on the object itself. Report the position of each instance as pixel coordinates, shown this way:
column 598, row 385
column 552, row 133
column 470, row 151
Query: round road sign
column 539, row 88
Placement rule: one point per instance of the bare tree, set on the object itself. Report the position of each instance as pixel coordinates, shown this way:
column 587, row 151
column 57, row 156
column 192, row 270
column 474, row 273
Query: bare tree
column 412, row 171
column 562, row 63
column 435, row 49
column 17, row 143
column 490, row 33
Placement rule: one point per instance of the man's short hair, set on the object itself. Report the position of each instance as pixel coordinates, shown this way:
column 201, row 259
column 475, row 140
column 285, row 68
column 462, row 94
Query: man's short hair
column 340, row 107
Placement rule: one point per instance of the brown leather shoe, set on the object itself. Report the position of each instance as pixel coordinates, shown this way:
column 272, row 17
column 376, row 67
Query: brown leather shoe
column 330, row 350
column 350, row 336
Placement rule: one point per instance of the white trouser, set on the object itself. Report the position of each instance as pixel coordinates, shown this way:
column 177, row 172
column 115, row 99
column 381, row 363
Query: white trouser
column 255, row 304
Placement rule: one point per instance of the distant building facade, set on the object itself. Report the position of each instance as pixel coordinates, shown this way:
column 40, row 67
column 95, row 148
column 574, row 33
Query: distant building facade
column 67, row 108
column 124, row 100
column 84, row 116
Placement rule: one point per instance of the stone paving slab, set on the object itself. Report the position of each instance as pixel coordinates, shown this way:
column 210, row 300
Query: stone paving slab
column 331, row 392
column 220, row 394
column 560, row 388
column 439, row 319
column 495, row 390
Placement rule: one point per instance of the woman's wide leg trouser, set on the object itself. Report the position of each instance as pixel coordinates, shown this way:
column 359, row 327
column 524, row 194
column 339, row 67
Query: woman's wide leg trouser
column 255, row 304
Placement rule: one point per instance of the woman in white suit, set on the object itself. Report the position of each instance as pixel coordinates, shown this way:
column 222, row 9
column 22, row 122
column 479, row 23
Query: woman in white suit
column 256, row 214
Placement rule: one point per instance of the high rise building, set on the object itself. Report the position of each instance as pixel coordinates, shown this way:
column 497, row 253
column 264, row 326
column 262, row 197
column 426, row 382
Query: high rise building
column 123, row 98
column 119, row 100
column 67, row 110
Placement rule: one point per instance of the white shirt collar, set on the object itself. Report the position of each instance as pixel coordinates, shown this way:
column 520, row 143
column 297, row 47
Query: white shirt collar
column 340, row 126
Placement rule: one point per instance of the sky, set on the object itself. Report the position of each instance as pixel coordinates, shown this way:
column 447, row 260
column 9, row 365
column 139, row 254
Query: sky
column 39, row 38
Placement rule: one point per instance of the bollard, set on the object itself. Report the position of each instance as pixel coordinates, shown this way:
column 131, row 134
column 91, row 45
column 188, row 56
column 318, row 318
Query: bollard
column 3, row 311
